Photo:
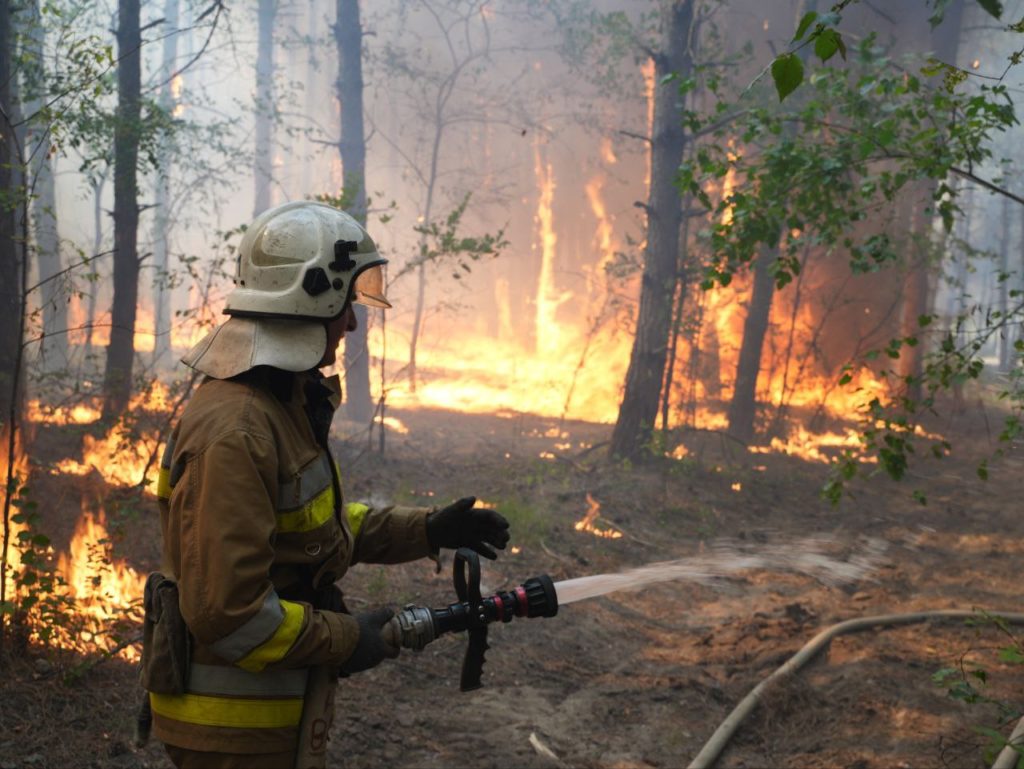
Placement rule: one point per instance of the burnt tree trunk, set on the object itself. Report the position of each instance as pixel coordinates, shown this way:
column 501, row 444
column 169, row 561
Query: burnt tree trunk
column 348, row 35
column 263, row 159
column 162, row 197
column 743, row 406
column 10, row 195
column 632, row 434
column 117, row 384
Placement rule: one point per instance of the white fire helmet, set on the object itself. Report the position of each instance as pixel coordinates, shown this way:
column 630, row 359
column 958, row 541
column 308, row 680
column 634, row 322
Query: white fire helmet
column 299, row 264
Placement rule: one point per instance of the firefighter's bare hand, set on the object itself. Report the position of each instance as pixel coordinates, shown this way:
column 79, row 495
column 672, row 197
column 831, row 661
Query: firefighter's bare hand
column 462, row 525
column 372, row 648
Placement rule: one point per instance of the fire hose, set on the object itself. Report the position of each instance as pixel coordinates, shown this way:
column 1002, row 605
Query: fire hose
column 718, row 741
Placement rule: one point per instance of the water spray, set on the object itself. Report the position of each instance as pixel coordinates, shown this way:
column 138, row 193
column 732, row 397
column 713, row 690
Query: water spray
column 416, row 626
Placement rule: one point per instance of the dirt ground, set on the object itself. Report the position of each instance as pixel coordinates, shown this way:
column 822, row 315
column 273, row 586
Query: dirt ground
column 632, row 679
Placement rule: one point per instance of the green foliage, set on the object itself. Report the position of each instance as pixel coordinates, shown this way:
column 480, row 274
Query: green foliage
column 346, row 200
column 968, row 682
column 527, row 523
column 442, row 242
column 40, row 602
column 788, row 73
column 828, row 40
column 815, row 174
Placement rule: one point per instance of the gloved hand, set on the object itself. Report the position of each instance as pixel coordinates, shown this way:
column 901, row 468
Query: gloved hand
column 460, row 525
column 371, row 648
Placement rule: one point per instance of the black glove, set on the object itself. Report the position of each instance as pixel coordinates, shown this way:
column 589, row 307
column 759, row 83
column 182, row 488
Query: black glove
column 371, row 648
column 460, row 525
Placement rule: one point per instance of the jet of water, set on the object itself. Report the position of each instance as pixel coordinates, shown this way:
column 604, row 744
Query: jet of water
column 727, row 559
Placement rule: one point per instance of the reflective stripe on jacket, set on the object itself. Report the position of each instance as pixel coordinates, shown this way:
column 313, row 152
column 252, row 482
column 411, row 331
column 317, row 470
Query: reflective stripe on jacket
column 251, row 513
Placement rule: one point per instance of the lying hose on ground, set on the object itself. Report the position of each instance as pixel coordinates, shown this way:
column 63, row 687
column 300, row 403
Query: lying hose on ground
column 716, row 744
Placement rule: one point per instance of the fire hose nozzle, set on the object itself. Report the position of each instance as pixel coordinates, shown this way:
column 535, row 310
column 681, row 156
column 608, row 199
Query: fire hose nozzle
column 541, row 598
column 416, row 626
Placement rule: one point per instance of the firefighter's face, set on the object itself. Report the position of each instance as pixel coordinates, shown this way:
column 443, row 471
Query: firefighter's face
column 336, row 330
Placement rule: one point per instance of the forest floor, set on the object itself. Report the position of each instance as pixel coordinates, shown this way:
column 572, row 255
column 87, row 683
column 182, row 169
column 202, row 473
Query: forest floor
column 638, row 679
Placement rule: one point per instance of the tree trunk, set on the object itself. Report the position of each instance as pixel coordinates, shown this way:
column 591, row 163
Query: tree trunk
column 54, row 294
column 1004, row 341
column 97, row 245
column 743, row 407
column 916, row 296
column 117, row 384
column 638, row 410
column 162, row 197
column 10, row 195
column 348, row 35
column 263, row 161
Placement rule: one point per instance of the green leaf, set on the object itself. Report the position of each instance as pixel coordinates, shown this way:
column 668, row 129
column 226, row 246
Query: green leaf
column 983, row 470
column 805, row 22
column 788, row 74
column 1012, row 655
column 826, row 44
column 993, row 7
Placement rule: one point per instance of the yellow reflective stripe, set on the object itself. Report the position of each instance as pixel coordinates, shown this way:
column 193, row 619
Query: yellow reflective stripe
column 227, row 711
column 275, row 647
column 313, row 514
column 163, row 483
column 356, row 513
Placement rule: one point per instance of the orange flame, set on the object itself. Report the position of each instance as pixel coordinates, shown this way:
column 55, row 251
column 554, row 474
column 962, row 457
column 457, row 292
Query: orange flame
column 548, row 297
column 79, row 414
column 177, row 82
column 121, row 458
column 19, row 470
column 647, row 71
column 588, row 521
column 104, row 589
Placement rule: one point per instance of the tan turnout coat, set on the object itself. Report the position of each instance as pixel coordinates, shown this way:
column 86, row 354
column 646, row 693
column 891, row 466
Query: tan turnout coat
column 253, row 524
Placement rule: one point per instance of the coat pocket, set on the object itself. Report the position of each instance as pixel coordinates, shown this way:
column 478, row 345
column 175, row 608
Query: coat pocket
column 165, row 644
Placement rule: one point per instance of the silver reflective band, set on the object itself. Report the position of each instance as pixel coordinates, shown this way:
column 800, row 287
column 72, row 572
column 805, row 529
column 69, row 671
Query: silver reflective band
column 309, row 483
column 165, row 460
column 254, row 632
column 217, row 680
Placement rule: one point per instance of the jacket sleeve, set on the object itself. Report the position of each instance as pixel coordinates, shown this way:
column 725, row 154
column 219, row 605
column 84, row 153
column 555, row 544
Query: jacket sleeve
column 224, row 506
column 388, row 534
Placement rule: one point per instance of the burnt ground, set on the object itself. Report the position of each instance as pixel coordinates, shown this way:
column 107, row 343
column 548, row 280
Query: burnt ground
column 631, row 679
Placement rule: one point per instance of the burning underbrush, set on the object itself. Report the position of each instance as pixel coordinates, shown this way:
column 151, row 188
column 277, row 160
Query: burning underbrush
column 82, row 597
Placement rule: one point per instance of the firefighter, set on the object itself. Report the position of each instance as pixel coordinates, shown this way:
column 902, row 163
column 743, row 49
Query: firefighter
column 245, row 629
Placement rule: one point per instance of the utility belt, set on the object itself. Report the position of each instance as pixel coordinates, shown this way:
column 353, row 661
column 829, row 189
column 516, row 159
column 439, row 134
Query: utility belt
column 182, row 689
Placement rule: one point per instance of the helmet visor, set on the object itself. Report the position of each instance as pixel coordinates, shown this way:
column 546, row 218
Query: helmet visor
column 368, row 288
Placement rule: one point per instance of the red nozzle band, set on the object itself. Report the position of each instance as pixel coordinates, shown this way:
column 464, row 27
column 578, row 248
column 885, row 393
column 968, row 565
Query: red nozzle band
column 500, row 606
column 521, row 605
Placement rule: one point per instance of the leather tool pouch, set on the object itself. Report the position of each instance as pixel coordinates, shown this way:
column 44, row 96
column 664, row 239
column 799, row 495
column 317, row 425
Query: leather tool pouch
column 165, row 642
